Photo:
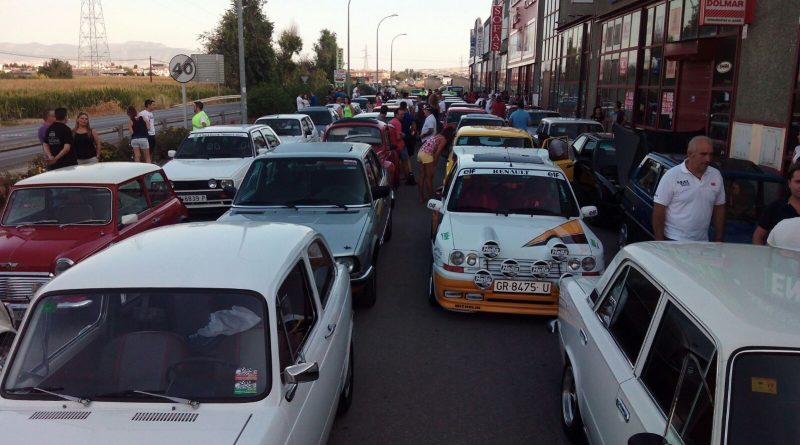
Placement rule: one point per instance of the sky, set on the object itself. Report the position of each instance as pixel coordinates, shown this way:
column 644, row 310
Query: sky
column 437, row 30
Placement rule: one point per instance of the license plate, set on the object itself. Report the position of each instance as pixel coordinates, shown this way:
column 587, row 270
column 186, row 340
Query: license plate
column 522, row 287
column 193, row 198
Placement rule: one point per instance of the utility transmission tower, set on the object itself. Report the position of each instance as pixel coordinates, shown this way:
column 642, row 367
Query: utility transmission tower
column 93, row 50
column 365, row 57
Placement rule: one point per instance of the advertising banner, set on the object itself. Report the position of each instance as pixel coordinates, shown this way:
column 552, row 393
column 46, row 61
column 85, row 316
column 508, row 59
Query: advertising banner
column 472, row 43
column 496, row 42
column 723, row 12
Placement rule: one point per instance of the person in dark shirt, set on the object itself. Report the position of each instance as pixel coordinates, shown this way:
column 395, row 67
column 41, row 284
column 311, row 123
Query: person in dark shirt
column 48, row 117
column 58, row 142
column 619, row 113
column 780, row 210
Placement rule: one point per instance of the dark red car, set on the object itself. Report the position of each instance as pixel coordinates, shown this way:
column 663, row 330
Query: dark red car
column 368, row 131
column 56, row 219
column 454, row 114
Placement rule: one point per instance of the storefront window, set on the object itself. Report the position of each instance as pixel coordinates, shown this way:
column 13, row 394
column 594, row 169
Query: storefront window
column 667, row 110
column 658, row 28
column 724, row 62
column 675, row 16
column 691, row 18
column 719, row 119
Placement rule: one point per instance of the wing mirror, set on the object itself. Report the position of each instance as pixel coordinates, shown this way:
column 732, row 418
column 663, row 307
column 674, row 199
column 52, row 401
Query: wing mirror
column 589, row 211
column 171, row 153
column 381, row 191
column 127, row 220
column 436, row 205
column 301, row 373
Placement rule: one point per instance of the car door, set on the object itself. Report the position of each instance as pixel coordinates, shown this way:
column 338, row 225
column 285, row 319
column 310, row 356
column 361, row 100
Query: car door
column 583, row 179
column 166, row 208
column 638, row 196
column 272, row 139
column 132, row 200
column 377, row 176
column 610, row 344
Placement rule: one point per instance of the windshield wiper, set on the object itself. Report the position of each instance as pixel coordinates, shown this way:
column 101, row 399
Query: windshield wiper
column 82, row 400
column 36, row 223
column 131, row 392
column 85, row 221
column 265, row 203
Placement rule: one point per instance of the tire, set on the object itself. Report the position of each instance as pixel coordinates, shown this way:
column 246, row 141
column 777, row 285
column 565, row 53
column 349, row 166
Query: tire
column 623, row 235
column 570, row 413
column 387, row 235
column 346, row 397
column 432, row 292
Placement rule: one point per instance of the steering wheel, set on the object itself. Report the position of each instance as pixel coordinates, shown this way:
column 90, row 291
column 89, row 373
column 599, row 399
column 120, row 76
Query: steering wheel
column 172, row 371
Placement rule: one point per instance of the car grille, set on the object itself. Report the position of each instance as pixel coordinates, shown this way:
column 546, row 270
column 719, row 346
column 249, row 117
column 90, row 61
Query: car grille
column 190, row 185
column 20, row 288
column 493, row 266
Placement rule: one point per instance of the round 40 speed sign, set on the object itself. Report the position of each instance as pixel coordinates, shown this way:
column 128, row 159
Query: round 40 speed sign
column 182, row 68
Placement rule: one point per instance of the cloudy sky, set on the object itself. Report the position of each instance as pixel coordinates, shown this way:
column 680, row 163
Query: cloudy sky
column 438, row 30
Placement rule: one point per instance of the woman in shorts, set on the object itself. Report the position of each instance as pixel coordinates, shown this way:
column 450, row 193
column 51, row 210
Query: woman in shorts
column 138, row 128
column 427, row 156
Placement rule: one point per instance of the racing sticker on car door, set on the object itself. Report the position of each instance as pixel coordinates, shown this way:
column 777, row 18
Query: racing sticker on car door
column 571, row 232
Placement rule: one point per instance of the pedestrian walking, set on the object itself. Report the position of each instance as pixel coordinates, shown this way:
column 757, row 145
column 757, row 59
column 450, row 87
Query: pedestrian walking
column 299, row 102
column 619, row 113
column 520, row 118
column 147, row 115
column 200, row 118
column 781, row 209
column 138, row 129
column 398, row 141
column 347, row 109
column 689, row 197
column 85, row 141
column 427, row 157
column 58, row 142
column 48, row 117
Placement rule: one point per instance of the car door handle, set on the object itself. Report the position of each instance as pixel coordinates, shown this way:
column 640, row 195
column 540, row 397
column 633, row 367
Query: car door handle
column 331, row 330
column 156, row 219
column 584, row 338
column 623, row 410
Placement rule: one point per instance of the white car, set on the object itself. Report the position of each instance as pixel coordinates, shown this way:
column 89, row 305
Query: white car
column 291, row 127
column 695, row 342
column 210, row 163
column 199, row 333
column 507, row 228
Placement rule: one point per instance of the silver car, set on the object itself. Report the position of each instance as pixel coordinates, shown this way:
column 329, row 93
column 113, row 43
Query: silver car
column 339, row 189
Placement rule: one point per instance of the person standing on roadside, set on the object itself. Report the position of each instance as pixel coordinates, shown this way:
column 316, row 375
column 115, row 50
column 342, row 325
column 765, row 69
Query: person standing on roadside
column 781, row 209
column 520, row 118
column 85, row 141
column 299, row 102
column 427, row 157
column 138, row 129
column 48, row 117
column 200, row 118
column 499, row 108
column 429, row 125
column 313, row 100
column 347, row 109
column 58, row 142
column 337, row 106
column 689, row 197
column 410, row 132
column 150, row 119
column 399, row 142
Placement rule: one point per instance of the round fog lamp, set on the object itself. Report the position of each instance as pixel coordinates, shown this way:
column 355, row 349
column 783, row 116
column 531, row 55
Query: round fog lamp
column 457, row 258
column 588, row 263
column 212, row 183
column 574, row 263
column 472, row 259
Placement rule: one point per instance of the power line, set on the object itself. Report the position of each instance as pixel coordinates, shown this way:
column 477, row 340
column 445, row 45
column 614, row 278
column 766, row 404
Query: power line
column 72, row 59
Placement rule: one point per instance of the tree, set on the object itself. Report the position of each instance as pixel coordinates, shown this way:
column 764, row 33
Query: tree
column 325, row 53
column 56, row 69
column 259, row 54
column 289, row 44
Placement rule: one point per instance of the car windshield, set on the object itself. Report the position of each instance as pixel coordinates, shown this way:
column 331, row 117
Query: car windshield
column 215, row 146
column 304, row 182
column 355, row 133
column 284, row 127
column 58, row 205
column 513, row 190
column 201, row 345
column 319, row 117
column 764, row 399
column 494, row 141
column 571, row 131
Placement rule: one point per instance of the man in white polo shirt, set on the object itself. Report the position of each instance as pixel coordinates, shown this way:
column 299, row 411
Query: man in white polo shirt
column 689, row 197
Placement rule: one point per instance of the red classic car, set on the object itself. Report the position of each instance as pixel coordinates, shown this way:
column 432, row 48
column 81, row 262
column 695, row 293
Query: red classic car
column 368, row 131
column 56, row 219
column 454, row 115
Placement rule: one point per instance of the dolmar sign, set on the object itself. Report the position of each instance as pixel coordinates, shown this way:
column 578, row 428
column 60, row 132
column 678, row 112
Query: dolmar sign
column 726, row 12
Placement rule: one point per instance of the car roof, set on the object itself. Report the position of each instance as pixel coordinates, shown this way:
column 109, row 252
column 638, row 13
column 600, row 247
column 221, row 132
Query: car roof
column 486, row 116
column 100, row 173
column 228, row 128
column 354, row 121
column 284, row 116
column 568, row 120
column 498, row 157
column 320, row 149
column 316, row 108
column 747, row 293
column 478, row 130
column 542, row 153
column 465, row 110
column 255, row 255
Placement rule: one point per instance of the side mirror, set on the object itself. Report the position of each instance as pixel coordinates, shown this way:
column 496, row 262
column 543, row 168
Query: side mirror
column 171, row 153
column 589, row 211
column 436, row 205
column 647, row 439
column 300, row 373
column 262, row 151
column 381, row 191
column 6, row 319
column 229, row 190
column 127, row 220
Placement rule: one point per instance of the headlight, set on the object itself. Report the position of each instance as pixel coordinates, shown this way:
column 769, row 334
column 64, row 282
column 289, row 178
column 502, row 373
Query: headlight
column 62, row 264
column 456, row 258
column 574, row 263
column 226, row 183
column 472, row 259
column 588, row 263
column 350, row 262
column 212, row 183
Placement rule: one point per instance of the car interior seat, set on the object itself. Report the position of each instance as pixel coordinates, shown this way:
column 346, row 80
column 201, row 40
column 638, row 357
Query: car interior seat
column 121, row 362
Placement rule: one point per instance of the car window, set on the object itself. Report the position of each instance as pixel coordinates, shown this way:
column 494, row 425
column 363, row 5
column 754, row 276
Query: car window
column 323, row 268
column 296, row 315
column 58, row 205
column 628, row 309
column 373, row 170
column 259, row 140
column 131, row 199
column 157, row 188
column 648, row 175
column 494, row 141
column 676, row 338
column 271, row 138
column 579, row 143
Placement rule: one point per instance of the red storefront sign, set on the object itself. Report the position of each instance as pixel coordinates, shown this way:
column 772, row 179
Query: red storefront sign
column 725, row 12
column 496, row 41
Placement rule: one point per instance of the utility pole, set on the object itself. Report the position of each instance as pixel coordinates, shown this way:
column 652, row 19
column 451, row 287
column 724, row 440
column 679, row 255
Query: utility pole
column 151, row 69
column 242, row 76
column 349, row 86
column 366, row 55
column 377, row 49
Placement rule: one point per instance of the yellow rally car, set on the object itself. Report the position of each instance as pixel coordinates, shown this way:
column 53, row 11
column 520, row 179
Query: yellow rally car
column 508, row 137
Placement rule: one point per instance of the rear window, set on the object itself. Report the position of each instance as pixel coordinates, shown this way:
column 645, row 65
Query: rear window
column 494, row 141
column 319, row 117
column 572, row 131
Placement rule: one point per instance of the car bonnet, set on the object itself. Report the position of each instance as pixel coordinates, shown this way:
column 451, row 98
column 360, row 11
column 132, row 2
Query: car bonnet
column 194, row 169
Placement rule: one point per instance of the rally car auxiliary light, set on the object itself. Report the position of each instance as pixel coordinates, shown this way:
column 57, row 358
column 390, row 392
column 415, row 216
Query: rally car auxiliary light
column 559, row 252
column 490, row 249
column 509, row 268
column 540, row 269
column 483, row 279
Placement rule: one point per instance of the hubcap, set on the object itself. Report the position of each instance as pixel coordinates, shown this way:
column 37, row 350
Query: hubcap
column 568, row 399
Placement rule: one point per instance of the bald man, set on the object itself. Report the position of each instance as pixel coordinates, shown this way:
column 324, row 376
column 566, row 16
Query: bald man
column 689, row 197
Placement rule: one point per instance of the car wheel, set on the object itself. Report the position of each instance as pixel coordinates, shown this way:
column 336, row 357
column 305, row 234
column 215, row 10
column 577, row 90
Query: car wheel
column 387, row 236
column 346, row 397
column 570, row 413
column 622, row 236
column 432, row 292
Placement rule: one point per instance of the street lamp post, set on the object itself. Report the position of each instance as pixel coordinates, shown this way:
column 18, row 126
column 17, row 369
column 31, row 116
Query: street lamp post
column 348, row 48
column 377, row 34
column 242, row 77
column 391, row 57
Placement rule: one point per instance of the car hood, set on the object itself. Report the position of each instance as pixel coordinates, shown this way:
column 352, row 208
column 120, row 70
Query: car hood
column 342, row 229
column 35, row 250
column 119, row 427
column 520, row 236
column 199, row 169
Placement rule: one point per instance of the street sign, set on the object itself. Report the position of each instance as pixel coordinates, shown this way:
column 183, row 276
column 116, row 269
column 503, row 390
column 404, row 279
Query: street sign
column 210, row 68
column 339, row 77
column 339, row 58
column 182, row 68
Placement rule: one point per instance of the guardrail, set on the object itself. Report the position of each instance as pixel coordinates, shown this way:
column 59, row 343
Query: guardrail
column 120, row 130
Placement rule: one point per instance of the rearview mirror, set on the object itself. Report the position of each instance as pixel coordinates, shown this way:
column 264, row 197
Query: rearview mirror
column 127, row 220
column 171, row 153
column 300, row 373
column 381, row 191
column 436, row 205
column 589, row 211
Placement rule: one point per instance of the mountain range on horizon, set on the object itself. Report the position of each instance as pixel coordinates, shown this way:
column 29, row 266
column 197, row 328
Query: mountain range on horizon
column 126, row 53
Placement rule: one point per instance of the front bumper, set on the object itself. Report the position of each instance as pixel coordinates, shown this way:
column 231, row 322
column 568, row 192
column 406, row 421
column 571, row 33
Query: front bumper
column 357, row 282
column 474, row 299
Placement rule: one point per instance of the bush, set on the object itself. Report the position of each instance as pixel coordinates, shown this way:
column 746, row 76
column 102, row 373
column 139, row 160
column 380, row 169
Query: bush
column 270, row 98
column 168, row 139
column 120, row 152
column 365, row 89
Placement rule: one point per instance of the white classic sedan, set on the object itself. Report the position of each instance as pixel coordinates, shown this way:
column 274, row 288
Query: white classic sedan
column 292, row 127
column 198, row 333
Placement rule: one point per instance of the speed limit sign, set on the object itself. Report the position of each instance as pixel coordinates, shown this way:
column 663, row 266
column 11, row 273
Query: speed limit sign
column 182, row 68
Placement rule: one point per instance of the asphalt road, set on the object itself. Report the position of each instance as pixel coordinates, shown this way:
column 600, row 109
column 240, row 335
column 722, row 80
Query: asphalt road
column 427, row 376
column 14, row 135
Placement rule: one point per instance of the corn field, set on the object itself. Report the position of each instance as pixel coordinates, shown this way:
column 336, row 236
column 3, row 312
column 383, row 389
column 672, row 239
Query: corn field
column 27, row 98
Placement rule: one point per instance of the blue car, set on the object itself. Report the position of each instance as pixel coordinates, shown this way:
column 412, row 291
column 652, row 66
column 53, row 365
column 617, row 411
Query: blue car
column 748, row 189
